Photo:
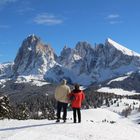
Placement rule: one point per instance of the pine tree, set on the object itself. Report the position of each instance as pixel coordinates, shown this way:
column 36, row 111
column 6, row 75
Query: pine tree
column 5, row 109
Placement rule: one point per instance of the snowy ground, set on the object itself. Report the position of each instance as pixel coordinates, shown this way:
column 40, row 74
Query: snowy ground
column 124, row 103
column 33, row 79
column 93, row 127
column 117, row 91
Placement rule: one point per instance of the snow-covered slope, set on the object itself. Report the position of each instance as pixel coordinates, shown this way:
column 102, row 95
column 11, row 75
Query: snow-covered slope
column 123, row 49
column 118, row 79
column 118, row 91
column 58, row 72
column 127, row 84
column 123, row 104
column 97, row 124
column 32, row 79
column 5, row 69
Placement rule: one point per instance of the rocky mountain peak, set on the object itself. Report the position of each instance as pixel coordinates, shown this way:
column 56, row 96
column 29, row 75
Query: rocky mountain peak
column 83, row 48
column 31, row 41
column 66, row 50
column 67, row 56
column 33, row 57
column 83, row 45
column 33, row 38
column 34, row 43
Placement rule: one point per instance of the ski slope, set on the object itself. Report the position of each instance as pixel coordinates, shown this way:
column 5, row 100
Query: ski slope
column 93, row 127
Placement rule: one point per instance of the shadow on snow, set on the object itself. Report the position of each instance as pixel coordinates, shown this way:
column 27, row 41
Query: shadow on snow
column 29, row 126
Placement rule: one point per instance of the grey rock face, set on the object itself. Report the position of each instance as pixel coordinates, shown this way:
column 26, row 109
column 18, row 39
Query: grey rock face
column 99, row 63
column 33, row 57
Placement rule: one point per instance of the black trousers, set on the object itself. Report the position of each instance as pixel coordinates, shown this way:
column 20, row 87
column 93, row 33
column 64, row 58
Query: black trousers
column 61, row 105
column 76, row 111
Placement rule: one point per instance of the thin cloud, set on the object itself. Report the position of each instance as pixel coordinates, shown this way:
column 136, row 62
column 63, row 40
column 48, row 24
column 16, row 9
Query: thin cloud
column 4, row 26
column 3, row 2
column 114, row 19
column 113, row 16
column 47, row 19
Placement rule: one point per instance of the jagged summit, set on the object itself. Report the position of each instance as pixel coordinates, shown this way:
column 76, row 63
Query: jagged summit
column 85, row 64
column 83, row 45
column 34, row 43
column 83, row 48
column 32, row 36
column 32, row 39
column 124, row 50
column 33, row 57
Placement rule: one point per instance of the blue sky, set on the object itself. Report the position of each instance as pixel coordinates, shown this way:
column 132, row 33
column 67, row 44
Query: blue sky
column 65, row 22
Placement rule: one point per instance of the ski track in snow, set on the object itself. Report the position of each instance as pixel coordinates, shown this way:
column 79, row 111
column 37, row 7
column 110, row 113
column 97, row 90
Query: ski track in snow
column 91, row 128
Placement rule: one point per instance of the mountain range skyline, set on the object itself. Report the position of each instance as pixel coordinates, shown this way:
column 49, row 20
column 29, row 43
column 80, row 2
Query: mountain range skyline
column 34, row 36
column 67, row 46
column 64, row 22
column 83, row 64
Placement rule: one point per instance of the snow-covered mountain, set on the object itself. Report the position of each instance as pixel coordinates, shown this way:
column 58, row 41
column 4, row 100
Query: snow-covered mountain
column 84, row 64
column 128, row 84
column 87, row 64
column 6, row 69
column 34, row 57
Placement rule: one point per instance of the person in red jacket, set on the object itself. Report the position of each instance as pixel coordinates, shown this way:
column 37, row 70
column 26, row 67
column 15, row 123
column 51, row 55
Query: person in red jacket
column 76, row 97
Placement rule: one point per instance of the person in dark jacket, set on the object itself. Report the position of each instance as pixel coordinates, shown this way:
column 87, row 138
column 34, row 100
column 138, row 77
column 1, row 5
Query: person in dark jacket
column 76, row 97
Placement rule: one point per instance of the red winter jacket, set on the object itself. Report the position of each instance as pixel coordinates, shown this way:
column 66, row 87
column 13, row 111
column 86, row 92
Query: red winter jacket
column 79, row 97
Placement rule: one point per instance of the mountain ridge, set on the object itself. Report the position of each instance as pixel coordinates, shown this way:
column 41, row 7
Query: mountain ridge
column 83, row 64
column 121, row 48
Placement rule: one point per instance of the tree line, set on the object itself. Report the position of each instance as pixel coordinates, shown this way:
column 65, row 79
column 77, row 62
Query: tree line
column 42, row 106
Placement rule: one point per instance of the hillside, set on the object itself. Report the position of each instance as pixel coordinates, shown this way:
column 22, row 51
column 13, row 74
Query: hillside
column 128, row 84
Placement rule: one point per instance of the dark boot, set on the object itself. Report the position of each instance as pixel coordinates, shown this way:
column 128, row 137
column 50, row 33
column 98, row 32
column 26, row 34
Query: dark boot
column 57, row 120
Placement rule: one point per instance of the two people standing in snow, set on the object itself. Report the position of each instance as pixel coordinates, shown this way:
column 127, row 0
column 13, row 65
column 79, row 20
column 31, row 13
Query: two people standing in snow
column 63, row 95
